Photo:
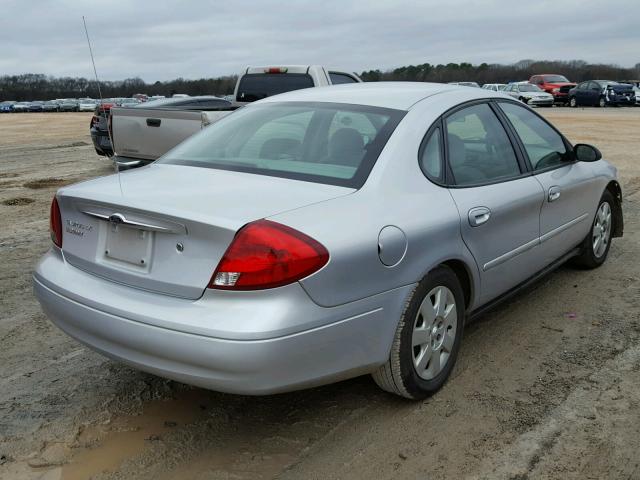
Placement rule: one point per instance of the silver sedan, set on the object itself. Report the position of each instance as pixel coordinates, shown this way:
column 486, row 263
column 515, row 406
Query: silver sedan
column 323, row 234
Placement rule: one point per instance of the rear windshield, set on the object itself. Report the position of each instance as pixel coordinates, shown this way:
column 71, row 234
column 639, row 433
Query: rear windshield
column 555, row 79
column 337, row 144
column 528, row 88
column 255, row 86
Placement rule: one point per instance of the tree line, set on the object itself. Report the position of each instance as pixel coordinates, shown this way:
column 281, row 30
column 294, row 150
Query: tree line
column 36, row 86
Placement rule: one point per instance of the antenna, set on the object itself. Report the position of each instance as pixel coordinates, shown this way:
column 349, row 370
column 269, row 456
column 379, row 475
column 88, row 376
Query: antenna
column 95, row 72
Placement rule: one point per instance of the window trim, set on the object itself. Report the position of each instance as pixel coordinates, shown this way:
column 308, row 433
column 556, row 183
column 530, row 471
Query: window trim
column 441, row 181
column 520, row 143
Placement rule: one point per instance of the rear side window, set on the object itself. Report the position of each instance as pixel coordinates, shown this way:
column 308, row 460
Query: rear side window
column 479, row 150
column 431, row 156
column 255, row 86
column 545, row 147
column 338, row 78
column 331, row 143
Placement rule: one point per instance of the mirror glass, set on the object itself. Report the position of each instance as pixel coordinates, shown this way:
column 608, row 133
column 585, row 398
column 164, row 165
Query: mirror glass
column 586, row 153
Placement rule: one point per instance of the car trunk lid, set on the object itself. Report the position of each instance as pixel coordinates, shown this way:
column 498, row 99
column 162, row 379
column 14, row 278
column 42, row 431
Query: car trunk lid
column 164, row 228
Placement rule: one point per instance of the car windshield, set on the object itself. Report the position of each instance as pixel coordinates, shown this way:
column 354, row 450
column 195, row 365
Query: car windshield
column 336, row 144
column 255, row 86
column 555, row 79
column 528, row 88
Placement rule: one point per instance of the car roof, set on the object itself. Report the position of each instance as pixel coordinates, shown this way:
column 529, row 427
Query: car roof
column 167, row 102
column 396, row 95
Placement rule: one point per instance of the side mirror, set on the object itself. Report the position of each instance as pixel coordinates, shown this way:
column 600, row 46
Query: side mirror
column 586, row 153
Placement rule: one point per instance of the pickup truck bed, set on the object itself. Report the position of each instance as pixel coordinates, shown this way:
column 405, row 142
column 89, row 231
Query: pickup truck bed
column 142, row 135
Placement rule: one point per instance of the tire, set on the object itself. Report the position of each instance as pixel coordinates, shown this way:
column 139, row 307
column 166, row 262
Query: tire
column 602, row 102
column 573, row 103
column 399, row 375
column 594, row 254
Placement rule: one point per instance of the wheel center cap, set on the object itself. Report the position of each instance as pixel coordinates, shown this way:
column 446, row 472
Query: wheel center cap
column 437, row 333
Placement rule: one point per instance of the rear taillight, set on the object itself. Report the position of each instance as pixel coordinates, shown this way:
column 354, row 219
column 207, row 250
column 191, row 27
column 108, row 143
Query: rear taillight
column 55, row 223
column 267, row 254
column 94, row 121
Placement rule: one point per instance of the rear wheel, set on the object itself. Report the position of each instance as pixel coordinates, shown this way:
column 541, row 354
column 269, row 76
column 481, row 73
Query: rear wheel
column 595, row 246
column 427, row 339
column 573, row 103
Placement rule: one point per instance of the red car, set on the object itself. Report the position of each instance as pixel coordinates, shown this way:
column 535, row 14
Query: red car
column 556, row 85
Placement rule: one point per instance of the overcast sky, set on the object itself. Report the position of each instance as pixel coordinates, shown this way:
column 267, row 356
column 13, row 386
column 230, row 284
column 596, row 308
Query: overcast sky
column 162, row 40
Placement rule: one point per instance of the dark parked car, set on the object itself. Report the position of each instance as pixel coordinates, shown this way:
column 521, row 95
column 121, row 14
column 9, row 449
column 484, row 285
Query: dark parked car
column 7, row 106
column 601, row 93
column 99, row 129
column 203, row 102
column 51, row 106
column 69, row 105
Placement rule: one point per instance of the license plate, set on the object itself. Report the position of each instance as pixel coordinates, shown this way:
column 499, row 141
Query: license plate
column 129, row 245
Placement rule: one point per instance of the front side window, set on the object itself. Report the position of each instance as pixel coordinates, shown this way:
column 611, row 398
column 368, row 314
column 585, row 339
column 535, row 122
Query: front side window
column 479, row 150
column 329, row 143
column 543, row 144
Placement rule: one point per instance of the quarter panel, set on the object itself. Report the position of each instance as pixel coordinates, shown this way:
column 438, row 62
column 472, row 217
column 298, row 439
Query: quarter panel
column 397, row 193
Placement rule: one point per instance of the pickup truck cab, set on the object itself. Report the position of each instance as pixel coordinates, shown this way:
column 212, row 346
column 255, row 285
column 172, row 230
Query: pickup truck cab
column 556, row 85
column 256, row 83
column 147, row 131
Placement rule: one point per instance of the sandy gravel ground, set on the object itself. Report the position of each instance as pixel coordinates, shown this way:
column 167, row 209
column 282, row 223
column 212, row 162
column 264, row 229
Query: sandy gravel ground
column 547, row 386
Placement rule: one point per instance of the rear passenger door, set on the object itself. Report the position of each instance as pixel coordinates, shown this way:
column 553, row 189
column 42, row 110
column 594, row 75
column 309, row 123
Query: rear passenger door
column 498, row 201
column 571, row 189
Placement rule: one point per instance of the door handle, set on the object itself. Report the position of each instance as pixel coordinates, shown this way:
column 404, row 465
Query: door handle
column 153, row 122
column 479, row 216
column 554, row 194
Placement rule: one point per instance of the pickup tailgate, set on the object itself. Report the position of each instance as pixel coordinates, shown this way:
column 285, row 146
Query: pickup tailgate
column 148, row 133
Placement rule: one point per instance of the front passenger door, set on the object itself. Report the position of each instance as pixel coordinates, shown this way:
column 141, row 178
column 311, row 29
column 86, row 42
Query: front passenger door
column 569, row 186
column 499, row 205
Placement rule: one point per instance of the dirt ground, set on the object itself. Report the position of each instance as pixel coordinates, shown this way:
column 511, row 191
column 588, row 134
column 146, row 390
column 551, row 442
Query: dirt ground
column 547, row 386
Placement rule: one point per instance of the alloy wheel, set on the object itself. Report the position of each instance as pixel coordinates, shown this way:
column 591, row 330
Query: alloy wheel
column 601, row 233
column 434, row 332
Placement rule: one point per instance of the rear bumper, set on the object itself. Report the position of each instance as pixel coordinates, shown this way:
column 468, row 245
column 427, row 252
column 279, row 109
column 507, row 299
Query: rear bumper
column 101, row 142
column 621, row 101
column 295, row 343
column 126, row 163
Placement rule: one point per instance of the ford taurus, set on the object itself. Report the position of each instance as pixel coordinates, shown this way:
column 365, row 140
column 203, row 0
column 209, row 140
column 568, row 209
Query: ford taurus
column 323, row 234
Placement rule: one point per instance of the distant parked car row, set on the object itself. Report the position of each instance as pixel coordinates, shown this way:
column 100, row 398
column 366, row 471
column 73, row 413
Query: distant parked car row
column 551, row 89
column 66, row 104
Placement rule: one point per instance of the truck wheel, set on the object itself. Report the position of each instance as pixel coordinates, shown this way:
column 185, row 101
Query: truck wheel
column 596, row 244
column 602, row 102
column 573, row 103
column 427, row 339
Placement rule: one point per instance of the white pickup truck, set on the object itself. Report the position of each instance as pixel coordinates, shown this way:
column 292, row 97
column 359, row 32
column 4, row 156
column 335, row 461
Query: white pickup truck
column 143, row 133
